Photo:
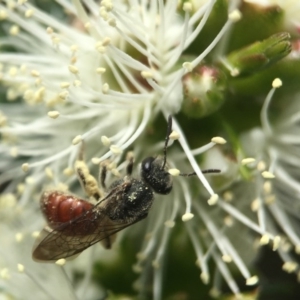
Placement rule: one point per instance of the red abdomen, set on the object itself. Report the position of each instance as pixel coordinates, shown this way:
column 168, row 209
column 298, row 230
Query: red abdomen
column 59, row 207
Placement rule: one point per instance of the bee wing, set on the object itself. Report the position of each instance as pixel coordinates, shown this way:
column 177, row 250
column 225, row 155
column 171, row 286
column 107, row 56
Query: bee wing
column 73, row 237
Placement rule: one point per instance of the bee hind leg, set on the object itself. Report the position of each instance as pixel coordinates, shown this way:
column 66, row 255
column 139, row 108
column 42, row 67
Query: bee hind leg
column 88, row 181
column 103, row 173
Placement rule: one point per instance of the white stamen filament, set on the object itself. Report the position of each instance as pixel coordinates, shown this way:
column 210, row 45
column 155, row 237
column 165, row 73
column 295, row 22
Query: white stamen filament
column 196, row 61
column 150, row 244
column 236, row 258
column 222, row 267
column 264, row 113
column 239, row 216
column 52, row 158
column 187, row 197
column 179, row 49
column 214, row 231
column 284, row 222
column 36, row 281
column 261, row 215
column 158, row 272
column 74, row 296
column 203, row 149
column 202, row 14
column 191, row 158
column 201, row 259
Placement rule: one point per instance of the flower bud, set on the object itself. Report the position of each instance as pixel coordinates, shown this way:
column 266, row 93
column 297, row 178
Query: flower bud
column 203, row 91
column 259, row 55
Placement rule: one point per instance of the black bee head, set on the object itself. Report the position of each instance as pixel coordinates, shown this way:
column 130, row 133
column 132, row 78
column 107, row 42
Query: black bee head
column 155, row 174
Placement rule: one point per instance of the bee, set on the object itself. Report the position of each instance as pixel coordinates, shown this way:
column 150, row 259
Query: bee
column 74, row 224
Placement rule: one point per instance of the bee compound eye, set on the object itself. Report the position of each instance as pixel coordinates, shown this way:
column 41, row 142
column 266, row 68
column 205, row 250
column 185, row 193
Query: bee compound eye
column 147, row 164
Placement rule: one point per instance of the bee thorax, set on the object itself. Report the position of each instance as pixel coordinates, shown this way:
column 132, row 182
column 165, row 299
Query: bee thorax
column 133, row 201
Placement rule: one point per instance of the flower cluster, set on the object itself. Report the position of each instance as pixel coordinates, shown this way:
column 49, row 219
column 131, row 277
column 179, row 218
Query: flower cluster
column 105, row 75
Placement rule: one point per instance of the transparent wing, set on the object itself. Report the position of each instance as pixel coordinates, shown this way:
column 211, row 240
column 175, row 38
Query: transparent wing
column 75, row 236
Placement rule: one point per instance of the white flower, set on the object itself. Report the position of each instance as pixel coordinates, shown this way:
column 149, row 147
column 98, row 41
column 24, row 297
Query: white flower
column 275, row 147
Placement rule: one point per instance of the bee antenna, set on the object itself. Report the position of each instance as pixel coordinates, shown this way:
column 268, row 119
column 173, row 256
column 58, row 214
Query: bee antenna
column 203, row 172
column 169, row 129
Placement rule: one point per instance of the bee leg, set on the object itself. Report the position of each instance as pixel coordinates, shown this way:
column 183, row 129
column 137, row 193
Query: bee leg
column 88, row 181
column 107, row 242
column 109, row 238
column 102, row 174
column 130, row 159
